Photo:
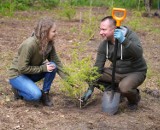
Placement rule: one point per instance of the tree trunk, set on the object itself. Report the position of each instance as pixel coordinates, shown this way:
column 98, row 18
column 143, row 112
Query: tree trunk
column 148, row 4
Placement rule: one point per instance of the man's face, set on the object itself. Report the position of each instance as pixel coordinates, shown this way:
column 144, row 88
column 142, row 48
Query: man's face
column 107, row 30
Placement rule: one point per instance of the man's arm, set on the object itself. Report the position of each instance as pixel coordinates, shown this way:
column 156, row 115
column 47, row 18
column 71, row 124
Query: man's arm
column 132, row 43
column 101, row 57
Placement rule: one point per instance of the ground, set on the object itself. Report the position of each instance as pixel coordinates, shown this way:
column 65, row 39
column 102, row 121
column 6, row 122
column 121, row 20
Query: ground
column 65, row 114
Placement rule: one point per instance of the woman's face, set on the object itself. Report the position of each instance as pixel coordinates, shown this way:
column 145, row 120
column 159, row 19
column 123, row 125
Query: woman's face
column 52, row 33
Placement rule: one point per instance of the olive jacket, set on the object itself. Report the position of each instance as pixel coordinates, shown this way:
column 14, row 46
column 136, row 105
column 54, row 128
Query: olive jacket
column 29, row 60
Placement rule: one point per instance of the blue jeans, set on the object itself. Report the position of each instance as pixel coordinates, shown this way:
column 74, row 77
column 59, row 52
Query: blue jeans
column 26, row 87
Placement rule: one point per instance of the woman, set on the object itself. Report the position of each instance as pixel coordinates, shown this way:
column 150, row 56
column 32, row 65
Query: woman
column 36, row 59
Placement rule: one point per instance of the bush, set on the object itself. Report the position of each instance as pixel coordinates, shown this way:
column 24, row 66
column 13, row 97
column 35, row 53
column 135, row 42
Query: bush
column 66, row 10
column 8, row 7
column 80, row 72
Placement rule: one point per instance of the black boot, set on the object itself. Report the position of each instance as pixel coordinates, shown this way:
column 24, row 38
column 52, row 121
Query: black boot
column 45, row 99
column 16, row 95
column 134, row 100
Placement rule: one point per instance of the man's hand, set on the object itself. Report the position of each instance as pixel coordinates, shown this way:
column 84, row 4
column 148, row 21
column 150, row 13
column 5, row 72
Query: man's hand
column 86, row 96
column 119, row 35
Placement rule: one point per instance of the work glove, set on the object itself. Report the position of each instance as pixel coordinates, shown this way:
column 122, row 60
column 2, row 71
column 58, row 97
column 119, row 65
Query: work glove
column 86, row 96
column 119, row 35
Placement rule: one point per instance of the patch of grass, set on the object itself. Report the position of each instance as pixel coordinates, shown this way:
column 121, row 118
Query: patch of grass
column 6, row 57
column 150, row 73
column 156, row 30
column 7, row 8
column 90, row 25
column 139, row 23
column 158, row 82
column 135, row 22
column 73, row 29
column 67, row 11
column 108, row 3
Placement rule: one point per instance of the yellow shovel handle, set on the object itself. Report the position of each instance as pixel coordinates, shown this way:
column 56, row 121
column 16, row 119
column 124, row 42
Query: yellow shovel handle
column 118, row 19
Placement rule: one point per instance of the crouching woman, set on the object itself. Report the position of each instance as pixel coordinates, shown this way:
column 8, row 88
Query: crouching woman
column 36, row 59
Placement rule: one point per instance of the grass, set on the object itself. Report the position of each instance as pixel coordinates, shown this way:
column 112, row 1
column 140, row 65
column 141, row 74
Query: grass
column 66, row 10
column 6, row 58
column 158, row 81
column 150, row 72
column 8, row 7
column 139, row 23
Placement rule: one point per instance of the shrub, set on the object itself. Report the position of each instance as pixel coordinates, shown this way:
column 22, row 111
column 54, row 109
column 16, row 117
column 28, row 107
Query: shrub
column 81, row 73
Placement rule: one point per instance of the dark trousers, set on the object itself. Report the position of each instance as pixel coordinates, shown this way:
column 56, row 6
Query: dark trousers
column 126, row 83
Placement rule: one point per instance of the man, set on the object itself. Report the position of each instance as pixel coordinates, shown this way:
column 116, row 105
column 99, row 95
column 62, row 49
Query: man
column 131, row 67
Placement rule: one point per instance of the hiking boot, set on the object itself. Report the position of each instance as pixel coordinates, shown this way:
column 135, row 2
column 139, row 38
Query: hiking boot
column 45, row 99
column 16, row 95
column 134, row 106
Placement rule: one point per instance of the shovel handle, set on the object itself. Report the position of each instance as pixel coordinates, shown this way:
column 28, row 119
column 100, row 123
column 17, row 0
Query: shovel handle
column 117, row 18
column 118, row 23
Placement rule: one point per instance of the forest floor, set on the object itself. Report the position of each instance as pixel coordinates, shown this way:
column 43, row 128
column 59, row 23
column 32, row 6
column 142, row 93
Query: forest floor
column 65, row 114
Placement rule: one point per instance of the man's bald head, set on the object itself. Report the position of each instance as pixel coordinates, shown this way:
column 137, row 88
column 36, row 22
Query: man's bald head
column 110, row 19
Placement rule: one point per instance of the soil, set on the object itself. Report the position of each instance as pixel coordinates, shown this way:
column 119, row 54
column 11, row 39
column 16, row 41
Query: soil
column 65, row 114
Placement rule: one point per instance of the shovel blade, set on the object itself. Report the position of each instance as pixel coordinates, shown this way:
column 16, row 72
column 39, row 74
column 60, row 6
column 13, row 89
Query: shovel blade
column 110, row 102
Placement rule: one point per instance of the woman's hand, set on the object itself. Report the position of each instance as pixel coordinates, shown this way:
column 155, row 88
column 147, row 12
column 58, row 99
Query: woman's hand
column 50, row 67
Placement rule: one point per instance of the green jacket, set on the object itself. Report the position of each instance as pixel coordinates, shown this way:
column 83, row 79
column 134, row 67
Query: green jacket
column 131, row 54
column 28, row 60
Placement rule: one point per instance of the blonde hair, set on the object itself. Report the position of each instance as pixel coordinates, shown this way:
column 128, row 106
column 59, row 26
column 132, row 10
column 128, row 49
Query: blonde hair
column 41, row 31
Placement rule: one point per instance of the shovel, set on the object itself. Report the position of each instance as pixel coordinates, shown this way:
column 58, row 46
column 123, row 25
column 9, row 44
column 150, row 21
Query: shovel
column 111, row 97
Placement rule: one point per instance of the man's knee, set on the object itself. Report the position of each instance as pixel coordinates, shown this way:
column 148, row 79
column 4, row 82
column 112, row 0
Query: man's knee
column 125, row 87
